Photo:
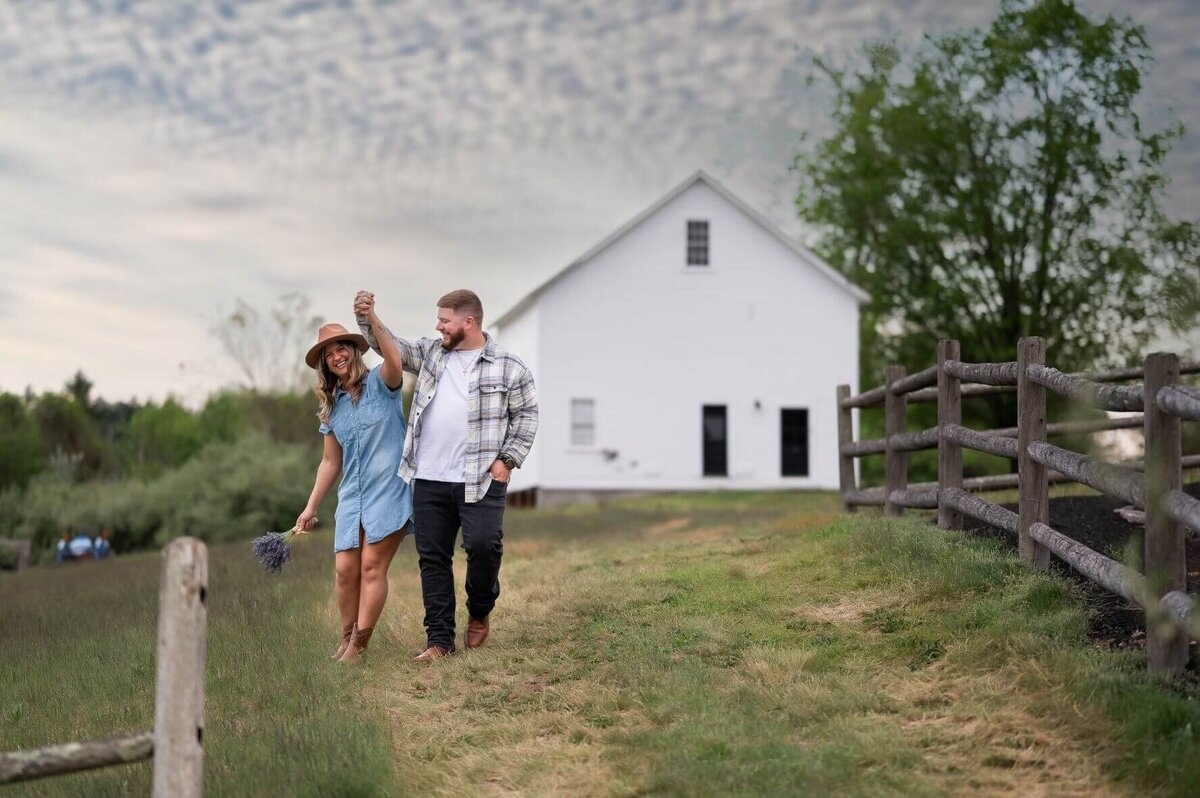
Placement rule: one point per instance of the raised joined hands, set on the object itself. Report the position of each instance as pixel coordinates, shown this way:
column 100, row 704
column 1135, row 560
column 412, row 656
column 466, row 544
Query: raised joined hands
column 364, row 304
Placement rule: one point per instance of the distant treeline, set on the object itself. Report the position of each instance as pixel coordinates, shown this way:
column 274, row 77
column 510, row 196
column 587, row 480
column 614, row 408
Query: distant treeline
column 240, row 465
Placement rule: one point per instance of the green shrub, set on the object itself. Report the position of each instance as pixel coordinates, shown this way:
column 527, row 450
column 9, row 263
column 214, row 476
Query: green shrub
column 226, row 491
column 8, row 556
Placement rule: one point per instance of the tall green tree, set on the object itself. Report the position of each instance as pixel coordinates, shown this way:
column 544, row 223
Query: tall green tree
column 161, row 437
column 112, row 418
column 21, row 454
column 70, row 438
column 222, row 418
column 80, row 389
column 1001, row 183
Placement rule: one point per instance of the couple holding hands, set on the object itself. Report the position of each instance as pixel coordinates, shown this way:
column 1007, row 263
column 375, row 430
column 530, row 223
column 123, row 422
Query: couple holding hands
column 473, row 418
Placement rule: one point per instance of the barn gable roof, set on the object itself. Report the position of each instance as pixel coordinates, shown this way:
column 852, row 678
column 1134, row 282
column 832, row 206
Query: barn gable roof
column 700, row 176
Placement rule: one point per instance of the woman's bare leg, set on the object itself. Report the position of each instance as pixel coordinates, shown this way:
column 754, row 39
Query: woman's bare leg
column 376, row 559
column 347, row 566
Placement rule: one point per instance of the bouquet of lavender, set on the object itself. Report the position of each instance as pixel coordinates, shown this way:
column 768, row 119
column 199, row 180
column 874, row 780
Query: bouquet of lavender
column 273, row 549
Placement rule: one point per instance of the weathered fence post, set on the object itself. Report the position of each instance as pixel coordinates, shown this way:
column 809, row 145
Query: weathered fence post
column 895, row 422
column 1034, row 488
column 845, row 434
column 949, row 453
column 1165, row 554
column 179, row 687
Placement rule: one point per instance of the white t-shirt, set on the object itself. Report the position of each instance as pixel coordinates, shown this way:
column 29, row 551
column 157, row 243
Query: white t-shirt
column 442, row 455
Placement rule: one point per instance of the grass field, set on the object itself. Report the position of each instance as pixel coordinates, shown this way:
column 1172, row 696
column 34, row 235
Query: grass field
column 727, row 644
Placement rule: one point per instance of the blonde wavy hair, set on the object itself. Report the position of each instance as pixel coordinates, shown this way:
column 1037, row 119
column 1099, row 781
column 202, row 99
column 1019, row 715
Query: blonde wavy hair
column 327, row 381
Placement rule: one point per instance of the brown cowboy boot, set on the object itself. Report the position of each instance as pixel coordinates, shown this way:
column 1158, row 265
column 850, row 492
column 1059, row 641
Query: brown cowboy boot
column 358, row 643
column 477, row 631
column 433, row 652
column 341, row 649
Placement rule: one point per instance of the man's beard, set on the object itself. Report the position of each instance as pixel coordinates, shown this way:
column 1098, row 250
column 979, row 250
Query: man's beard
column 455, row 339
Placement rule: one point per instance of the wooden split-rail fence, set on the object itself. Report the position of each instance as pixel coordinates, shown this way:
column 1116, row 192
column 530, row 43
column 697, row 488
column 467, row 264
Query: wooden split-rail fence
column 177, row 741
column 1154, row 484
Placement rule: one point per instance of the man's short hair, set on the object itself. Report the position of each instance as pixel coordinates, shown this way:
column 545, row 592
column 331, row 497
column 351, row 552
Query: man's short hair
column 465, row 302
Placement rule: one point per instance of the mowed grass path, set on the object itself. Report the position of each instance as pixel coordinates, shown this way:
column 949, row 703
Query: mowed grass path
column 727, row 644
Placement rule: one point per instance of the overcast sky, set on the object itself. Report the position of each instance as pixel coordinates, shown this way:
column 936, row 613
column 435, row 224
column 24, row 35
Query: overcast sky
column 160, row 160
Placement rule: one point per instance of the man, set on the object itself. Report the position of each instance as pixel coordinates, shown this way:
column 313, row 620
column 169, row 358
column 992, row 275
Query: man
column 473, row 417
column 103, row 547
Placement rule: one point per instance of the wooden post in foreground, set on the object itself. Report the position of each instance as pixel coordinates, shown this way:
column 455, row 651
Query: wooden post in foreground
column 1165, row 554
column 950, row 473
column 845, row 434
column 895, row 422
column 1034, row 489
column 179, row 687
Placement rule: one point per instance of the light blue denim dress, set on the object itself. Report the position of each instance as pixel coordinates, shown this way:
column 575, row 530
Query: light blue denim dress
column 371, row 434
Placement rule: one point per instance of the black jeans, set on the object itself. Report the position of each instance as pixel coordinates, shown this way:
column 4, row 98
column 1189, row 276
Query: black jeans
column 439, row 509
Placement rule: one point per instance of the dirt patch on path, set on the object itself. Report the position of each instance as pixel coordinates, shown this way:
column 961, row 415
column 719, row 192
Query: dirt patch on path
column 666, row 528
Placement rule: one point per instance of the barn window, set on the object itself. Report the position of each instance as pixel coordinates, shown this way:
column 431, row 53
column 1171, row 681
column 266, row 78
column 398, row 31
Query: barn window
column 583, row 422
column 697, row 242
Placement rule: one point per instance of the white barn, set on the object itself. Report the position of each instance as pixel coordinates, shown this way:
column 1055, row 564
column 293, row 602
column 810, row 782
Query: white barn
column 695, row 348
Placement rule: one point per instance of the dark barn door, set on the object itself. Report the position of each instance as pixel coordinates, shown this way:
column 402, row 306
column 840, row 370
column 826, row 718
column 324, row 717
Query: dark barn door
column 793, row 433
column 716, row 441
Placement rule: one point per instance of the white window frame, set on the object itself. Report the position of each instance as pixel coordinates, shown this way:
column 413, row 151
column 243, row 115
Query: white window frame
column 583, row 423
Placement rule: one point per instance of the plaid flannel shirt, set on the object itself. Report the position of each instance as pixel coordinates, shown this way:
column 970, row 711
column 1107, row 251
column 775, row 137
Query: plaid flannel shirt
column 502, row 409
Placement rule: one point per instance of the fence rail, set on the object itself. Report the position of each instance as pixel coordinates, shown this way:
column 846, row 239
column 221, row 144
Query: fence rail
column 877, row 496
column 1097, row 394
column 1154, row 484
column 928, row 438
column 989, row 442
column 875, row 396
column 998, row 374
column 968, row 391
column 177, row 740
column 1179, row 402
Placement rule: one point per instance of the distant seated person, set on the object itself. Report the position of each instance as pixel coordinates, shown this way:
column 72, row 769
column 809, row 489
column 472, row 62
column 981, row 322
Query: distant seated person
column 61, row 553
column 79, row 546
column 102, row 547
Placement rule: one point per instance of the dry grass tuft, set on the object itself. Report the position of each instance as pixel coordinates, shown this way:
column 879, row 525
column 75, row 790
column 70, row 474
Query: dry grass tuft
column 974, row 737
column 846, row 610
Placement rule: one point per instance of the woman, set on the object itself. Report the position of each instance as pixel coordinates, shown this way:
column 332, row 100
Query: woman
column 363, row 423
